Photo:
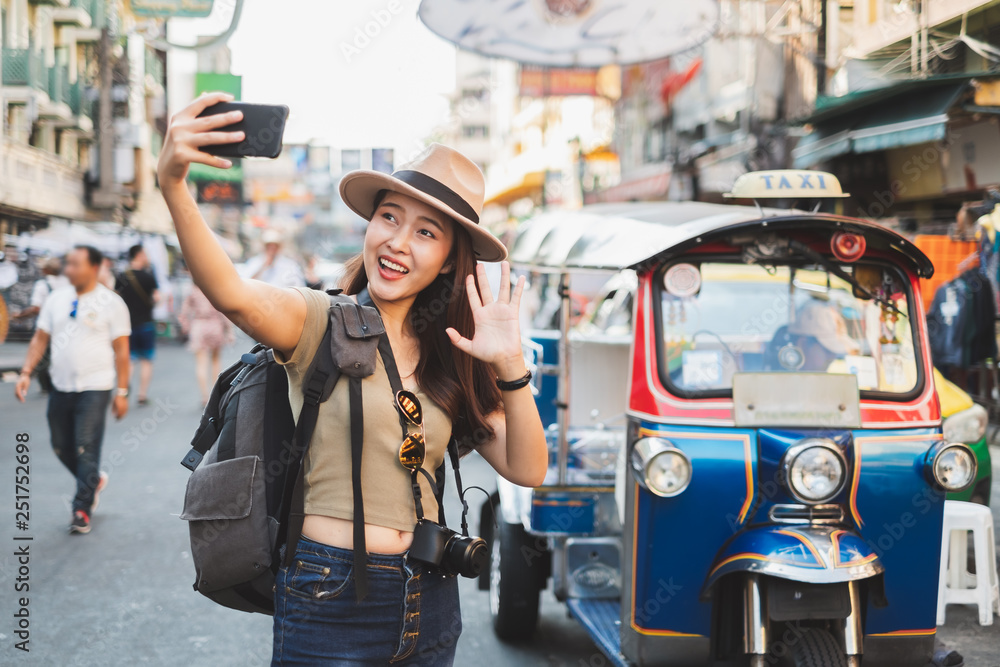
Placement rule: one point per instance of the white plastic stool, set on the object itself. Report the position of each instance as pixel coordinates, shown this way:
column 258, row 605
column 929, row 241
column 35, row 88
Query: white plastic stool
column 955, row 584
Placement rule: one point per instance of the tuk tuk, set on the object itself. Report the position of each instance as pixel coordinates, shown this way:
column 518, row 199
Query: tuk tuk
column 751, row 468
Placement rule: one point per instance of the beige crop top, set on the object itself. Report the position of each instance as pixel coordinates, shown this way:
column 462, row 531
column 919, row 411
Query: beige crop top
column 385, row 483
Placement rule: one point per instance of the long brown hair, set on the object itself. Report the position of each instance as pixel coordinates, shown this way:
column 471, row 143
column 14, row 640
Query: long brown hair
column 462, row 385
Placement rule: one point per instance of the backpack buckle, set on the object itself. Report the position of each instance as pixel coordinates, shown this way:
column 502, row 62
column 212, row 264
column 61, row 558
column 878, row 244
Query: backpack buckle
column 313, row 389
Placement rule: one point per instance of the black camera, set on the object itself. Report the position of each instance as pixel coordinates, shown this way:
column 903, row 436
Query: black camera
column 451, row 552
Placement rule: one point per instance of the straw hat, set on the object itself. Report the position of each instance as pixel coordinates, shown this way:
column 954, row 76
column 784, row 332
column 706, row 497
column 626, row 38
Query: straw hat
column 826, row 325
column 272, row 236
column 440, row 177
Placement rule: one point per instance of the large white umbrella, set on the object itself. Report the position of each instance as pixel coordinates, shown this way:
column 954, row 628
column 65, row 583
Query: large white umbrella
column 573, row 33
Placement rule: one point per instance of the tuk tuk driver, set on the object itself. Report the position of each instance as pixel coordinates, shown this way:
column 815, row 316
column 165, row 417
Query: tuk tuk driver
column 820, row 335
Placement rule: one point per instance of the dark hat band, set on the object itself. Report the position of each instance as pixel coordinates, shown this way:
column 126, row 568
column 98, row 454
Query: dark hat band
column 435, row 188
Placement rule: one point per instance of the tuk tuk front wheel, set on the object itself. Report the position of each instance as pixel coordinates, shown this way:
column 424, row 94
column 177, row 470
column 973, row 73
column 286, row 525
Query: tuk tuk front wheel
column 514, row 590
column 816, row 647
column 488, row 518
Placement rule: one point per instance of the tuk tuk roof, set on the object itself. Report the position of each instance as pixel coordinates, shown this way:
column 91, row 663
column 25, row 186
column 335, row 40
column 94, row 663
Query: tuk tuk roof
column 611, row 237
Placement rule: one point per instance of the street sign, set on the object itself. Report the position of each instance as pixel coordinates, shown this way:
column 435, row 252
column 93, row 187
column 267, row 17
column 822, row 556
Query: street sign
column 573, row 33
column 172, row 8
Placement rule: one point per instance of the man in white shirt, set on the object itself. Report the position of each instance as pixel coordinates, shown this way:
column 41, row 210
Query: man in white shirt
column 8, row 267
column 88, row 326
column 271, row 266
column 51, row 280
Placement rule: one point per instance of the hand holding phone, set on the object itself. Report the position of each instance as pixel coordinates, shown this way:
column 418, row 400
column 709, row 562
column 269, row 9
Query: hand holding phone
column 263, row 126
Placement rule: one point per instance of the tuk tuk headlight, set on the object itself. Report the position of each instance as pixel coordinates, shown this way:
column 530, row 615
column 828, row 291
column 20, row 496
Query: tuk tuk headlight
column 952, row 466
column 816, row 470
column 660, row 467
column 967, row 426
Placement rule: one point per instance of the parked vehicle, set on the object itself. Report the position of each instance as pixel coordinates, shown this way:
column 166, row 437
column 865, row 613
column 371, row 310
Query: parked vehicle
column 749, row 469
column 963, row 420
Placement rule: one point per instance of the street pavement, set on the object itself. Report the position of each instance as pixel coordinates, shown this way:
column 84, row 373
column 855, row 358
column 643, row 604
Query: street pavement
column 122, row 594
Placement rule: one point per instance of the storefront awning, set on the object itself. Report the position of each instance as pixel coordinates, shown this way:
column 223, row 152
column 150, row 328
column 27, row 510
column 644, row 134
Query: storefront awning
column 646, row 183
column 913, row 114
column 604, row 153
column 528, row 186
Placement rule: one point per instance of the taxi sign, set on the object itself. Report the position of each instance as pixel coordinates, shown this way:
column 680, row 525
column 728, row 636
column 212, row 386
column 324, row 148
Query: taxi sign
column 787, row 183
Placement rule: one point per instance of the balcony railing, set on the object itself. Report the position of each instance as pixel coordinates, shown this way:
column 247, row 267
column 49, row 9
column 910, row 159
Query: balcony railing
column 59, row 88
column 78, row 99
column 24, row 67
column 93, row 7
column 154, row 66
column 40, row 181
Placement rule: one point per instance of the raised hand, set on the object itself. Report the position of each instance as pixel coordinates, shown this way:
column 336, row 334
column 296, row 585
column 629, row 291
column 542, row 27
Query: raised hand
column 187, row 134
column 497, row 338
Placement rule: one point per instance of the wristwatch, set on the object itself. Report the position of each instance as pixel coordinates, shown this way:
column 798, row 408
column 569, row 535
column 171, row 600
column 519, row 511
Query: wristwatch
column 122, row 391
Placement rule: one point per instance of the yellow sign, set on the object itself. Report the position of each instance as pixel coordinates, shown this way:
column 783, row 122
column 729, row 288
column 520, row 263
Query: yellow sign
column 787, row 183
column 987, row 93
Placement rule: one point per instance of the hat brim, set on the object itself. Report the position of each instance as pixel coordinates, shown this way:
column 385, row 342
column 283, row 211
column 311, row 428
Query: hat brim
column 358, row 189
column 835, row 344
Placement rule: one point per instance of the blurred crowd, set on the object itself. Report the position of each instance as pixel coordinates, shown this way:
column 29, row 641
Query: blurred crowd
column 163, row 302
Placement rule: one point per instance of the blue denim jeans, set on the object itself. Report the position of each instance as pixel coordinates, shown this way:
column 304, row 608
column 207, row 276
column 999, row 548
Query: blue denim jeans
column 76, row 423
column 411, row 616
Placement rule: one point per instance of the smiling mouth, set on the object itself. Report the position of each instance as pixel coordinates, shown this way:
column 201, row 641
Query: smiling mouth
column 389, row 264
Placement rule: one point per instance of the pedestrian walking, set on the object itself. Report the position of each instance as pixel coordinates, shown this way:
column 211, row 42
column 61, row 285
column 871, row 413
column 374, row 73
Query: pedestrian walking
column 88, row 326
column 106, row 276
column 51, row 280
column 208, row 331
column 9, row 272
column 138, row 288
column 354, row 593
column 272, row 266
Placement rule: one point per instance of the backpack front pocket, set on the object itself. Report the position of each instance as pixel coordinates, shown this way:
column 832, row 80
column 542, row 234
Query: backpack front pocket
column 227, row 514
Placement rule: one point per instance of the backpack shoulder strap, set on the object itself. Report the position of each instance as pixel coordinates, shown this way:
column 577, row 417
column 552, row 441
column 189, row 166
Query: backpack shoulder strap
column 317, row 385
column 137, row 286
column 211, row 422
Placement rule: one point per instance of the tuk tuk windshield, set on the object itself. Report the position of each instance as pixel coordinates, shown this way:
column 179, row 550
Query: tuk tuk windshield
column 718, row 319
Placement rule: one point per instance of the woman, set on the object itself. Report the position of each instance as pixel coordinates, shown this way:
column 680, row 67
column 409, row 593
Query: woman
column 455, row 346
column 208, row 331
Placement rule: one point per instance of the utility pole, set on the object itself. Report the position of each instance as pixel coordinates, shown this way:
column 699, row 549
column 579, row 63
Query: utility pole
column 105, row 196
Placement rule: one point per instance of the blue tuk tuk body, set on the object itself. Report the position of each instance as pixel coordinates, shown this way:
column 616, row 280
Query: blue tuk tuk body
column 735, row 565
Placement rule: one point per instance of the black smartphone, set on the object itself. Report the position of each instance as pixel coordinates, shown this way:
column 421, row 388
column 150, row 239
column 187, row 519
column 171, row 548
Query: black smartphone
column 262, row 124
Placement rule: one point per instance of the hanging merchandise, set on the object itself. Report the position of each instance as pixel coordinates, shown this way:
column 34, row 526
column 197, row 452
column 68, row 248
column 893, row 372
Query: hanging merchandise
column 983, row 344
column 989, row 254
column 961, row 322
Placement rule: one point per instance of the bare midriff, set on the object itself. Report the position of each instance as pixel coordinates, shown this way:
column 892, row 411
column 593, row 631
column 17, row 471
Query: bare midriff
column 340, row 533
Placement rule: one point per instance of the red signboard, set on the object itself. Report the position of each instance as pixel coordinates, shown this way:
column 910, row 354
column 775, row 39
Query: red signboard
column 557, row 81
column 220, row 192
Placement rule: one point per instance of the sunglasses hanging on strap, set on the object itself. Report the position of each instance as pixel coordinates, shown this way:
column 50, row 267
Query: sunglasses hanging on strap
column 433, row 543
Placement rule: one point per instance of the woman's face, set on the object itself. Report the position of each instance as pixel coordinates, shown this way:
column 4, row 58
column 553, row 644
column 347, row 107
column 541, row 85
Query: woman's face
column 407, row 244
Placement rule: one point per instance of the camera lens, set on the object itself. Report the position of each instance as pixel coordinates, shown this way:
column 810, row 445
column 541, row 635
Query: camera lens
column 466, row 556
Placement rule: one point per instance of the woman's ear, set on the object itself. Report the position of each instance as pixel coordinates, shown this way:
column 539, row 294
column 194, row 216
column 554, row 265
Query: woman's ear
column 448, row 267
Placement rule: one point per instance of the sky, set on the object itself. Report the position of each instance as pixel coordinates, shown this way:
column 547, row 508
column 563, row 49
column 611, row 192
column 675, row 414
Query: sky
column 354, row 73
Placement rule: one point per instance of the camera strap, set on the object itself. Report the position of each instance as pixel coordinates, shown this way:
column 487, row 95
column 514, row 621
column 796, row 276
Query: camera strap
column 385, row 351
column 389, row 361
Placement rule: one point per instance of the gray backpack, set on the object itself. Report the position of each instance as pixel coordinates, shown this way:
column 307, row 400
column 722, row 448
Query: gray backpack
column 243, row 501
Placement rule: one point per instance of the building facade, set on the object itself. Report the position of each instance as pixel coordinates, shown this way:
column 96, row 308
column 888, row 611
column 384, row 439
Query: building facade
column 83, row 112
column 909, row 118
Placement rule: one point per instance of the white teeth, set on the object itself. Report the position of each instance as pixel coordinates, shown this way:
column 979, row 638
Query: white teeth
column 393, row 265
